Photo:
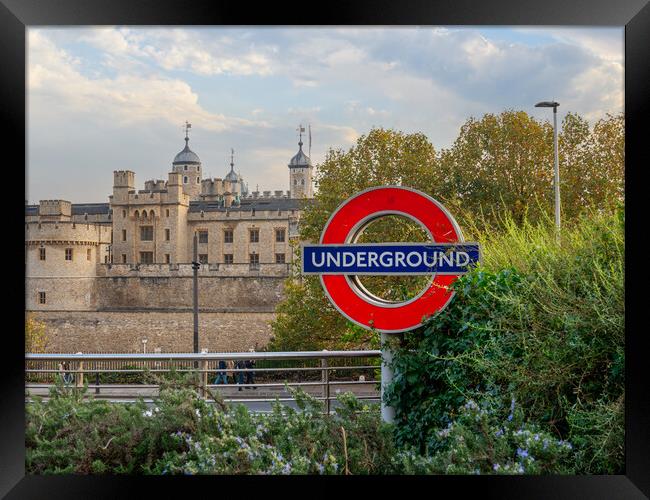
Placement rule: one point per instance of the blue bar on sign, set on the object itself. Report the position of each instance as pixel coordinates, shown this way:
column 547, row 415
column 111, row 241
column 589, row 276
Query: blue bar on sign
column 390, row 258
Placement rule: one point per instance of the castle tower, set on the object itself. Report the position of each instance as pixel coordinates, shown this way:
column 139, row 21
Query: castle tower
column 231, row 184
column 188, row 164
column 300, row 173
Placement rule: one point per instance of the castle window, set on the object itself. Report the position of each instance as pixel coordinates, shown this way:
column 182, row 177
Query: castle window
column 228, row 258
column 152, row 214
column 253, row 213
column 146, row 233
column 185, row 180
column 41, row 253
column 254, row 261
column 203, row 236
column 136, row 214
column 123, row 258
column 167, row 258
column 167, row 212
column 105, row 259
column 167, row 234
column 279, row 258
column 228, row 236
column 41, row 297
column 295, row 182
column 302, row 182
column 124, row 213
column 68, row 254
column 280, row 235
column 123, row 234
column 198, row 180
column 203, row 258
column 146, row 257
column 89, row 254
column 185, row 168
column 255, row 235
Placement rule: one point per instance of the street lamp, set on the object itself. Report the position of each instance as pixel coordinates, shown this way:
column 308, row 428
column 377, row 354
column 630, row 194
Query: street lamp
column 554, row 105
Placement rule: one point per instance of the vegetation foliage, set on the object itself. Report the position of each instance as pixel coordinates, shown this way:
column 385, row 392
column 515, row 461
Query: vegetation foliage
column 541, row 324
column 181, row 433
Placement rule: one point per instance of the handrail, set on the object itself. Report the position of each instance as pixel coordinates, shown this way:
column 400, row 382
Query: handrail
column 206, row 356
column 83, row 366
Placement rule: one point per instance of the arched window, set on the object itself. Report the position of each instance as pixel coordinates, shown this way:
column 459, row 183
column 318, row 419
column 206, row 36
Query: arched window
column 144, row 214
column 152, row 214
column 302, row 182
column 124, row 213
column 136, row 214
column 185, row 167
column 198, row 180
column 167, row 212
column 185, row 179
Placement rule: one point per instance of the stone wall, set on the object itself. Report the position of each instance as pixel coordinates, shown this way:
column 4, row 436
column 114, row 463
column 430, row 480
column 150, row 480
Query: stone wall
column 71, row 331
column 216, row 293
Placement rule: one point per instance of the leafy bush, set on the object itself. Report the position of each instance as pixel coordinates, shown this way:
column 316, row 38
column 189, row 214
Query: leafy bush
column 183, row 434
column 540, row 321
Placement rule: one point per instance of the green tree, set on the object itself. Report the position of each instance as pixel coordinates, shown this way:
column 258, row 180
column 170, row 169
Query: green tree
column 504, row 164
column 35, row 335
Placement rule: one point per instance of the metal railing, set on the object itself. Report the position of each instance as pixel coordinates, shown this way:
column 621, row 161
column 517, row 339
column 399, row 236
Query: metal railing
column 121, row 377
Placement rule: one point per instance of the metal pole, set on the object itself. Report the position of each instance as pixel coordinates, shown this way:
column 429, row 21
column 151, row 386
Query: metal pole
column 326, row 384
column 557, row 172
column 195, row 297
column 387, row 412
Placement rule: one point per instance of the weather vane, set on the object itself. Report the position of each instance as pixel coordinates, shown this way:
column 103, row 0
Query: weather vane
column 300, row 130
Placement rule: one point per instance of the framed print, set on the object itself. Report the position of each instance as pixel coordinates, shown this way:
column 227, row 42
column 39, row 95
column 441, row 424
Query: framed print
column 283, row 184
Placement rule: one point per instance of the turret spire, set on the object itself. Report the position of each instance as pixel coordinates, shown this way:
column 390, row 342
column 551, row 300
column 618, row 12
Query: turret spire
column 188, row 126
column 300, row 129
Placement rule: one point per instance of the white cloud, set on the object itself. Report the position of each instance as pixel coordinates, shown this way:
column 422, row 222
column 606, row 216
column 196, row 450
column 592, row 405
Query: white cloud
column 180, row 49
column 126, row 98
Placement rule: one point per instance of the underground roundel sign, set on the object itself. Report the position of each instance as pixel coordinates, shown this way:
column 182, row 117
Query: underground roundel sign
column 339, row 260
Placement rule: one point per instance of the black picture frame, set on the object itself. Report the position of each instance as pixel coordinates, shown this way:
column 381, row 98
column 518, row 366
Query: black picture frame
column 17, row 15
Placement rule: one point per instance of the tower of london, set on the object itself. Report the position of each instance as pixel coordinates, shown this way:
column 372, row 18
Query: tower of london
column 105, row 276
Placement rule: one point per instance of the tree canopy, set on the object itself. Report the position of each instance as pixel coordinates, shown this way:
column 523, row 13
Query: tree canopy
column 499, row 166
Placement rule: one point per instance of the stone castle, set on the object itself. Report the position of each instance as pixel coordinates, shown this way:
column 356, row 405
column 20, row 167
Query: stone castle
column 117, row 276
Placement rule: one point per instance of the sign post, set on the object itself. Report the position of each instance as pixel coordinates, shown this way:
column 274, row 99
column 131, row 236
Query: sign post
column 339, row 260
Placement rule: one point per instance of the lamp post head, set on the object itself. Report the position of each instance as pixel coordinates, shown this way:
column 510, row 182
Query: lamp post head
column 548, row 104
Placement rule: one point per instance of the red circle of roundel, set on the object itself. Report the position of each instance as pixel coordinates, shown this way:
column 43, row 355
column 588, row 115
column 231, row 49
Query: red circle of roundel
column 394, row 200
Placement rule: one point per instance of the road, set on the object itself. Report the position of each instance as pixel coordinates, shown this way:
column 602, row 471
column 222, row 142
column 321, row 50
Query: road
column 260, row 399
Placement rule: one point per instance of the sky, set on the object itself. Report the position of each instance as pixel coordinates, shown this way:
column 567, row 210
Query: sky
column 101, row 99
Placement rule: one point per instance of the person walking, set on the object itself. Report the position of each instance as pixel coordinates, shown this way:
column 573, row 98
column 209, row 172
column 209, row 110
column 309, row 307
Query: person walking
column 239, row 364
column 221, row 375
column 61, row 372
column 67, row 376
column 250, row 375
column 230, row 366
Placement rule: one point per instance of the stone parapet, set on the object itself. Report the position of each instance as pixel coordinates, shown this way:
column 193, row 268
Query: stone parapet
column 186, row 271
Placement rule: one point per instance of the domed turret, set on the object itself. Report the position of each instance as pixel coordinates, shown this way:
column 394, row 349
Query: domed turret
column 232, row 176
column 186, row 156
column 300, row 159
column 188, row 163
